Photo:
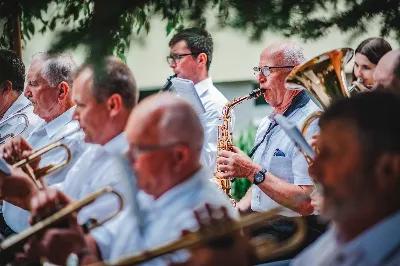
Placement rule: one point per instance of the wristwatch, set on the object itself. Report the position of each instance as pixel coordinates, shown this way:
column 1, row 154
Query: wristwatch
column 259, row 176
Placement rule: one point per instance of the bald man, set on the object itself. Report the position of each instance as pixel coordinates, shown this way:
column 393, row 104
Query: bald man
column 278, row 170
column 387, row 72
column 166, row 160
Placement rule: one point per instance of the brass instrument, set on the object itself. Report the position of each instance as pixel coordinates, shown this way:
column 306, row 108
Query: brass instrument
column 16, row 241
column 225, row 134
column 264, row 249
column 324, row 79
column 41, row 172
column 16, row 115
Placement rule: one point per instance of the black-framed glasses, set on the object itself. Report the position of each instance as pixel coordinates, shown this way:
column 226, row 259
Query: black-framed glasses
column 266, row 70
column 134, row 151
column 176, row 58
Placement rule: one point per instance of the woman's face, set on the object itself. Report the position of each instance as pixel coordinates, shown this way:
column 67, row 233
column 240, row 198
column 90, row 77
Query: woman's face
column 363, row 68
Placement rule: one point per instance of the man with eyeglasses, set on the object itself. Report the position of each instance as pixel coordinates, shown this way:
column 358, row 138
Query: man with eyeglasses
column 166, row 161
column 278, row 170
column 190, row 58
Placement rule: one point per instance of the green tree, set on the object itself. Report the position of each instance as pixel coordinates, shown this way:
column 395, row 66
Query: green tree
column 244, row 142
column 107, row 27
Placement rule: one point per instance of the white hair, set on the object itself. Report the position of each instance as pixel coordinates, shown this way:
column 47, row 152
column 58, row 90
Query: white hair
column 56, row 67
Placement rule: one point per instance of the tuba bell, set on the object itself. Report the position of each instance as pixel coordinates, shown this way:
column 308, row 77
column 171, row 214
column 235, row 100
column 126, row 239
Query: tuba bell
column 324, row 79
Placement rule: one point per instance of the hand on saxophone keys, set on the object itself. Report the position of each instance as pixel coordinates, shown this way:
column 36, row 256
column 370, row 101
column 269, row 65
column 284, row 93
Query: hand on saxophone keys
column 234, row 164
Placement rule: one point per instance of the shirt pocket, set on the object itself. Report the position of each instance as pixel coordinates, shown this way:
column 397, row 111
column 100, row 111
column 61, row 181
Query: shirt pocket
column 281, row 167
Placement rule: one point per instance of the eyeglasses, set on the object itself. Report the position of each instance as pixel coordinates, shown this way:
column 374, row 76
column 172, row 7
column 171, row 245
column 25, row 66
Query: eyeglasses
column 266, row 70
column 176, row 58
column 134, row 151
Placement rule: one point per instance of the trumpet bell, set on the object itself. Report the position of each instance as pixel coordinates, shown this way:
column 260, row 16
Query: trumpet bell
column 323, row 77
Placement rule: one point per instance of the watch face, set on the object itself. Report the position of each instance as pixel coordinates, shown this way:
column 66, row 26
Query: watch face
column 258, row 177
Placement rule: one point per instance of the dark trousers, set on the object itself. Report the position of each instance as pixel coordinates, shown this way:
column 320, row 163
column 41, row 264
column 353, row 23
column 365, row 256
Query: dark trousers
column 283, row 229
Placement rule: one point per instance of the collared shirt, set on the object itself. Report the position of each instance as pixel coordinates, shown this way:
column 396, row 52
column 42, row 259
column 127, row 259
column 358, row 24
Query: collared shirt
column 42, row 135
column 213, row 101
column 280, row 157
column 164, row 220
column 377, row 246
column 16, row 125
column 98, row 167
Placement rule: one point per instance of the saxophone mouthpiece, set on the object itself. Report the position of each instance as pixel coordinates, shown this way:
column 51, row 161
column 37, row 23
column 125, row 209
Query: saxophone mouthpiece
column 168, row 84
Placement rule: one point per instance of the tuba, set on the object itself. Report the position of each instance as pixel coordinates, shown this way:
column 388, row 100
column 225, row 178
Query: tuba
column 323, row 78
column 225, row 135
column 264, row 249
column 16, row 115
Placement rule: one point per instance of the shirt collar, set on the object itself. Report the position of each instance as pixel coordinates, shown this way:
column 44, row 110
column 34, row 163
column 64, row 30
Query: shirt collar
column 203, row 85
column 182, row 188
column 384, row 235
column 18, row 104
column 54, row 125
column 118, row 145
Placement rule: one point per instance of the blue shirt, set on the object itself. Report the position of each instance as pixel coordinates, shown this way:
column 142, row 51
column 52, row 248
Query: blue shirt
column 279, row 155
column 379, row 245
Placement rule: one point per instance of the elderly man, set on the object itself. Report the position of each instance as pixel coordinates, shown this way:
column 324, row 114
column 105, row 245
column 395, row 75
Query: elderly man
column 12, row 74
column 358, row 169
column 49, row 89
column 190, row 58
column 279, row 171
column 166, row 161
column 387, row 72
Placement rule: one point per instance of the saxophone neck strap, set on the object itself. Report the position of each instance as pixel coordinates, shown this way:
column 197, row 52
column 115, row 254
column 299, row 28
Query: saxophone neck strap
column 299, row 101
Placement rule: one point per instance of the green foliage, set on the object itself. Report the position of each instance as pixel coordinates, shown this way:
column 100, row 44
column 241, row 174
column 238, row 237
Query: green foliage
column 106, row 27
column 245, row 143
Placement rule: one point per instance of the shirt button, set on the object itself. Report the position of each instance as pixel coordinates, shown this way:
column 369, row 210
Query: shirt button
column 340, row 258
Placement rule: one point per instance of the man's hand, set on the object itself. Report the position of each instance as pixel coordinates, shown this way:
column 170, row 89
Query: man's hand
column 55, row 244
column 317, row 200
column 17, row 188
column 230, row 250
column 236, row 163
column 12, row 150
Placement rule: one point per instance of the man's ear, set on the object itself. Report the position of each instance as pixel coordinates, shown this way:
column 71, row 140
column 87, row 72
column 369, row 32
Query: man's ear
column 387, row 171
column 63, row 90
column 114, row 104
column 7, row 88
column 202, row 59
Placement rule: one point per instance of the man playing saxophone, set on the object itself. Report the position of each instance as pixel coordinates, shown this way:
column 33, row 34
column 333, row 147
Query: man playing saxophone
column 12, row 75
column 166, row 161
column 49, row 90
column 278, row 170
column 190, row 58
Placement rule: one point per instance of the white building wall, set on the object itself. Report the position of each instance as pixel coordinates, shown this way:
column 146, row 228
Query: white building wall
column 231, row 69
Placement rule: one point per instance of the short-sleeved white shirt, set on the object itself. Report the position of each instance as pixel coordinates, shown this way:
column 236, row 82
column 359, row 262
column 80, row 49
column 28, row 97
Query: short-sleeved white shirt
column 280, row 157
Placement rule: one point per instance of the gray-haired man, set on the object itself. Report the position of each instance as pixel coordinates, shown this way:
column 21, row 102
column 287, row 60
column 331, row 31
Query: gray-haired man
column 49, row 89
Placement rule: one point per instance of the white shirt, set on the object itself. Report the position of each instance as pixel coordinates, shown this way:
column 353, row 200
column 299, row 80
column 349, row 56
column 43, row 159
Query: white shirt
column 377, row 246
column 164, row 220
column 98, row 167
column 15, row 125
column 280, row 157
column 213, row 101
column 44, row 134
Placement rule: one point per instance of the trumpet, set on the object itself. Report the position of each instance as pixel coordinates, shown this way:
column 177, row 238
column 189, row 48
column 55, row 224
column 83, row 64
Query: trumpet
column 35, row 175
column 9, row 245
column 16, row 115
column 263, row 249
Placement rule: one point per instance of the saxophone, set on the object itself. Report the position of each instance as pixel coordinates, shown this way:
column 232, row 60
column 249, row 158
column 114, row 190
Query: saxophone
column 225, row 135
